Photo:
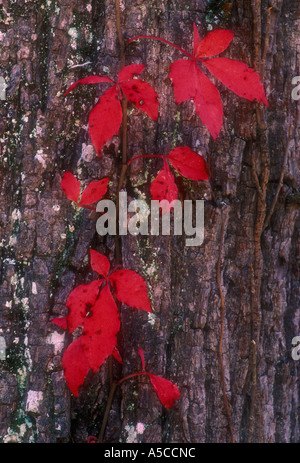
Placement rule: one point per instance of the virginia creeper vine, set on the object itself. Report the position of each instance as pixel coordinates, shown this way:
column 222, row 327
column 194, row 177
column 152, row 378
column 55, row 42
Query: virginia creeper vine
column 95, row 307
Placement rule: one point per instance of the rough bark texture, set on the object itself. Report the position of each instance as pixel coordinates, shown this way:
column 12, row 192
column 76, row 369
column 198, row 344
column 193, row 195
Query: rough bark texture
column 45, row 242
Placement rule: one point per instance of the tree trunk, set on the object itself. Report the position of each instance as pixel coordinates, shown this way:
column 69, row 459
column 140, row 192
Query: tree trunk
column 225, row 313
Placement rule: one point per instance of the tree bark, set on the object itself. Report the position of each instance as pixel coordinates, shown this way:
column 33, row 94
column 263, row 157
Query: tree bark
column 237, row 378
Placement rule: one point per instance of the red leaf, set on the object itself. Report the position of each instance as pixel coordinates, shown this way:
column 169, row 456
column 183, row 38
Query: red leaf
column 88, row 80
column 99, row 336
column 184, row 78
column 75, row 365
column 214, row 43
column 191, row 84
column 105, row 119
column 61, row 322
column 240, row 79
column 127, row 72
column 142, row 95
column 99, row 263
column 164, row 187
column 94, row 191
column 131, row 289
column 167, row 391
column 70, row 186
column 79, row 302
column 188, row 163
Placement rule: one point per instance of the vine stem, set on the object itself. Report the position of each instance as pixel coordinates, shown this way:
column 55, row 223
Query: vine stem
column 117, row 242
column 256, row 268
column 132, row 376
column 220, row 348
column 118, row 256
column 119, row 32
column 107, row 410
column 164, row 41
column 145, row 156
column 253, row 390
column 112, row 391
column 92, row 208
column 275, row 199
column 124, row 132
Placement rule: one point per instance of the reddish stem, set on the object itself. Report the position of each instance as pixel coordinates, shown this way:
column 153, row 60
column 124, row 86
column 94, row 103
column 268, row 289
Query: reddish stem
column 141, row 354
column 132, row 376
column 145, row 156
column 162, row 40
column 88, row 207
column 112, row 391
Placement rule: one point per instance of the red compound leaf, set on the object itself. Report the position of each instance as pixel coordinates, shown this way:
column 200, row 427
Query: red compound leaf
column 192, row 84
column 131, row 289
column 99, row 263
column 93, row 308
column 142, row 95
column 79, row 302
column 75, row 365
column 99, row 336
column 94, row 191
column 188, row 163
column 105, row 119
column 70, row 186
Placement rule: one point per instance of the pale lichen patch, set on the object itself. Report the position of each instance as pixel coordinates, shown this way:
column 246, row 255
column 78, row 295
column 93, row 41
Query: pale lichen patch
column 151, row 319
column 140, row 428
column 34, row 400
column 16, row 215
column 41, row 158
column 33, row 288
column 134, row 431
column 57, row 340
column 131, row 434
